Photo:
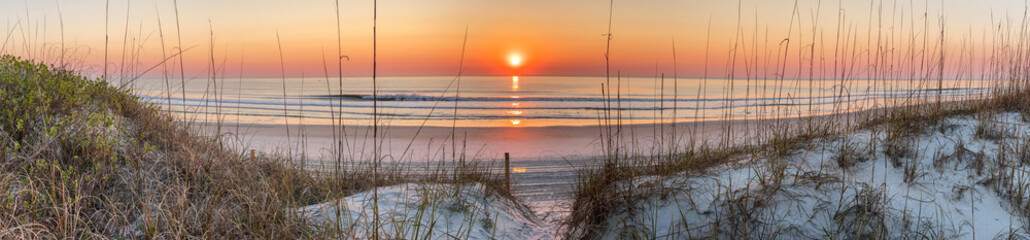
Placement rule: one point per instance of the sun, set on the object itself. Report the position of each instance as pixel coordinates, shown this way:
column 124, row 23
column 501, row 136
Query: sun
column 515, row 61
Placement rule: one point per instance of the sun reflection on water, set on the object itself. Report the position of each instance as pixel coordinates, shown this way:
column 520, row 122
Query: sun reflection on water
column 516, row 111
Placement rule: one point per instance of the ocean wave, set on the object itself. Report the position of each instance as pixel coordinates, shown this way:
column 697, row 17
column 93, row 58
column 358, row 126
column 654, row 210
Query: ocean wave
column 411, row 110
column 483, row 104
column 415, row 97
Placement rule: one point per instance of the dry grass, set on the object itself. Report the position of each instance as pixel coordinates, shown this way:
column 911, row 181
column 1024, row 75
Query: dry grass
column 82, row 159
column 608, row 191
column 921, row 59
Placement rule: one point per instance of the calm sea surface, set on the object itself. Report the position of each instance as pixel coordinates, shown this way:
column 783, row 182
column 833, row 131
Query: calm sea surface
column 528, row 101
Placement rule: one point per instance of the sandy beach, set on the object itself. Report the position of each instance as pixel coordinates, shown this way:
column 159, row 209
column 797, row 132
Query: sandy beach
column 523, row 143
column 403, row 143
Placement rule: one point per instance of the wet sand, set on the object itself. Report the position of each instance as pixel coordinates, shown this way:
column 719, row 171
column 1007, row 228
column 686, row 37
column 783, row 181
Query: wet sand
column 523, row 143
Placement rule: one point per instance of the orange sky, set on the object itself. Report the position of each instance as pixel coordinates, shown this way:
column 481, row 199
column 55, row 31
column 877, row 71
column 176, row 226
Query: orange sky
column 425, row 37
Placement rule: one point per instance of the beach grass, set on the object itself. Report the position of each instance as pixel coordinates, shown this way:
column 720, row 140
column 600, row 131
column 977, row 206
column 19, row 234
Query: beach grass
column 83, row 159
column 604, row 195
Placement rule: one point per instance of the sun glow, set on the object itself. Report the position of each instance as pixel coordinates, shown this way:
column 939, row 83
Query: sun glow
column 515, row 61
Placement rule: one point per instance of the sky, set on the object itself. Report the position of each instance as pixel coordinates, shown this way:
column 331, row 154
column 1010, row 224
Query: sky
column 418, row 37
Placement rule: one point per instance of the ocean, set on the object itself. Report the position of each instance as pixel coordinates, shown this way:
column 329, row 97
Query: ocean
column 530, row 101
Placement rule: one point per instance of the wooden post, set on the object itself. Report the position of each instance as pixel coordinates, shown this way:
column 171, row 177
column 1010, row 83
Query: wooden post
column 507, row 173
column 253, row 155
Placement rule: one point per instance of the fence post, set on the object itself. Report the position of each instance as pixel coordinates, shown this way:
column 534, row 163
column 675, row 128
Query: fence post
column 507, row 173
column 253, row 157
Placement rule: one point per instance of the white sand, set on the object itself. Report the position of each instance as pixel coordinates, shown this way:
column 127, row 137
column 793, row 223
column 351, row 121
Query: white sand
column 432, row 211
column 948, row 196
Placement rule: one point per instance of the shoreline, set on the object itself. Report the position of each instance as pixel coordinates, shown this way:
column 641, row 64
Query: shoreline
column 523, row 143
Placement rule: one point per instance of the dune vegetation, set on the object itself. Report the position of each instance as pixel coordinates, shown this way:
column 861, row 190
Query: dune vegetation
column 84, row 159
column 921, row 164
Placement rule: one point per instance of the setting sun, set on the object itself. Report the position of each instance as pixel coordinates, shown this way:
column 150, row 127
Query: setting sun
column 515, row 61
